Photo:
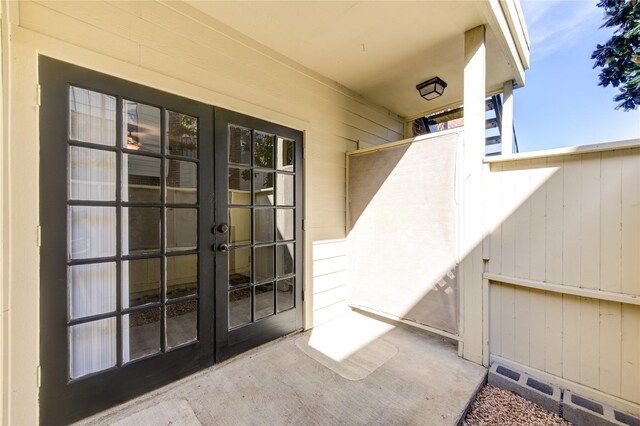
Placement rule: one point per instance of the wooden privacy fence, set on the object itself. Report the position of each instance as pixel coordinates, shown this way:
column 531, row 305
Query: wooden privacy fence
column 562, row 251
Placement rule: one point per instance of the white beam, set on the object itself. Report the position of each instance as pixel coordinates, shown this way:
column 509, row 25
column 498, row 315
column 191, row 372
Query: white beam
column 471, row 263
column 507, row 118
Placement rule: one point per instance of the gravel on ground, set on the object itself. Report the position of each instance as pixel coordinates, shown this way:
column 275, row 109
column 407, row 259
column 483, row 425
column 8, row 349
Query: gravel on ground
column 495, row 406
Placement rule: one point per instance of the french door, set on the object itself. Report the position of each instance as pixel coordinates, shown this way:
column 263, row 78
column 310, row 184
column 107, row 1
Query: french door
column 259, row 245
column 145, row 238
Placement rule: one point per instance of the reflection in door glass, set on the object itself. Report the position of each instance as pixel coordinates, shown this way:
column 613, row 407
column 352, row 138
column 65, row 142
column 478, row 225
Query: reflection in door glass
column 182, row 134
column 141, row 178
column 142, row 131
column 182, row 323
column 263, row 225
column 182, row 182
column 142, row 279
column 239, row 226
column 239, row 145
column 285, row 154
column 263, row 263
column 239, row 266
column 263, row 189
column 182, row 229
column 284, row 224
column 284, row 197
column 239, row 307
column 239, row 186
column 263, row 295
column 263, row 150
column 285, row 259
column 142, row 235
column 182, row 275
column 144, row 333
column 285, row 294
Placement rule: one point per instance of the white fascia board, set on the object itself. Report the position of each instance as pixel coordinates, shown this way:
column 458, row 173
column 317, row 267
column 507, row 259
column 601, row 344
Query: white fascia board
column 498, row 23
column 515, row 19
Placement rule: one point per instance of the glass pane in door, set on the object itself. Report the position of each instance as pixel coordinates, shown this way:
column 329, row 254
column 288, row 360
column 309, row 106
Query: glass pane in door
column 139, row 242
column 261, row 235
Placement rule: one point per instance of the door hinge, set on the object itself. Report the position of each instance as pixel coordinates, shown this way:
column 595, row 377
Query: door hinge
column 304, row 224
column 39, row 236
column 303, row 295
column 38, row 95
column 39, row 376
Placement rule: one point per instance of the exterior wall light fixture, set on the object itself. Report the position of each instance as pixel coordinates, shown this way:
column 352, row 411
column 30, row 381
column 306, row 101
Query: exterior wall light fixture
column 432, row 88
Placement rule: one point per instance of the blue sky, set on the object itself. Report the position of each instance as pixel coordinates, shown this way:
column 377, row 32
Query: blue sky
column 561, row 103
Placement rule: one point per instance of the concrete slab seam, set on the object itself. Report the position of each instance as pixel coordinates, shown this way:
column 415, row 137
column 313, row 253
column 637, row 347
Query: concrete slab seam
column 472, row 399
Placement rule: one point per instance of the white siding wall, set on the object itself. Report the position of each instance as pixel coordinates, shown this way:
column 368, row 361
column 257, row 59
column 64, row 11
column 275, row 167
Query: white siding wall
column 571, row 220
column 329, row 280
column 172, row 47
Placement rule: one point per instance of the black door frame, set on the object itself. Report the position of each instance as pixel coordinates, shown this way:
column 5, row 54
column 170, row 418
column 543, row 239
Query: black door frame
column 230, row 343
column 63, row 400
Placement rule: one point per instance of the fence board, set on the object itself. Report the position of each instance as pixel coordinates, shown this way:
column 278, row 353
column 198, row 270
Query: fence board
column 507, row 318
column 554, row 221
column 589, row 342
column 537, row 344
column 590, row 221
column 571, row 222
column 610, row 225
column 610, row 352
column 571, row 337
column 630, row 366
column 630, row 268
column 554, row 344
column 538, row 190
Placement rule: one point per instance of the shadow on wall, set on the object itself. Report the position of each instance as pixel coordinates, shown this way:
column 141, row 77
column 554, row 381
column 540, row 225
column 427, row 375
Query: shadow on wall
column 403, row 232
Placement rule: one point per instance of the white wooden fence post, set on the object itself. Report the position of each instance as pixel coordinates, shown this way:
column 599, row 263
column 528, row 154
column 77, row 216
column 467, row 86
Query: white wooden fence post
column 471, row 265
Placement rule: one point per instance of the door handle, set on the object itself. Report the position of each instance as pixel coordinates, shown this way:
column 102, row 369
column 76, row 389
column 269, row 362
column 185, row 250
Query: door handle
column 223, row 227
column 224, row 247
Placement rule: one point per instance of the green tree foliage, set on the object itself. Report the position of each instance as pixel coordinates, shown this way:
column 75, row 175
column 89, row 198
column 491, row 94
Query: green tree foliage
column 619, row 57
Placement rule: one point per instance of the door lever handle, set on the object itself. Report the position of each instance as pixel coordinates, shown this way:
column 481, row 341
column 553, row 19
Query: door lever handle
column 224, row 247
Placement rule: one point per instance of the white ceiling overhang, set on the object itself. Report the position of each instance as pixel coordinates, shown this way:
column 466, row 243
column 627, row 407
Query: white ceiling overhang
column 381, row 50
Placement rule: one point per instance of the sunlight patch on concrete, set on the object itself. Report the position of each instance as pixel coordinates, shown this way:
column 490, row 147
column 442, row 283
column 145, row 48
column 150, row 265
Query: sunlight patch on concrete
column 350, row 345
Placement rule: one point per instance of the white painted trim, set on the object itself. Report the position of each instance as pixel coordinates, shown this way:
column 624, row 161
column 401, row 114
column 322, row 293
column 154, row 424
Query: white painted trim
column 485, row 322
column 582, row 390
column 518, row 29
column 405, row 141
column 497, row 22
column 405, row 321
column 506, row 126
column 572, row 150
column 565, row 289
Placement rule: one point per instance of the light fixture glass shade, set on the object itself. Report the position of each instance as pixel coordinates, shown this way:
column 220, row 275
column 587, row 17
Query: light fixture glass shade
column 432, row 88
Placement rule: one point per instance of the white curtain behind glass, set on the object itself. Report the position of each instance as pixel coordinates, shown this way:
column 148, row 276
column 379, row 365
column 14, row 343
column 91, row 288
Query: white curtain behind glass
column 92, row 232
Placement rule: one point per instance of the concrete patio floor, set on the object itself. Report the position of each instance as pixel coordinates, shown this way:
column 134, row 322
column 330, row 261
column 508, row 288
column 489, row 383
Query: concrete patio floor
column 355, row 370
